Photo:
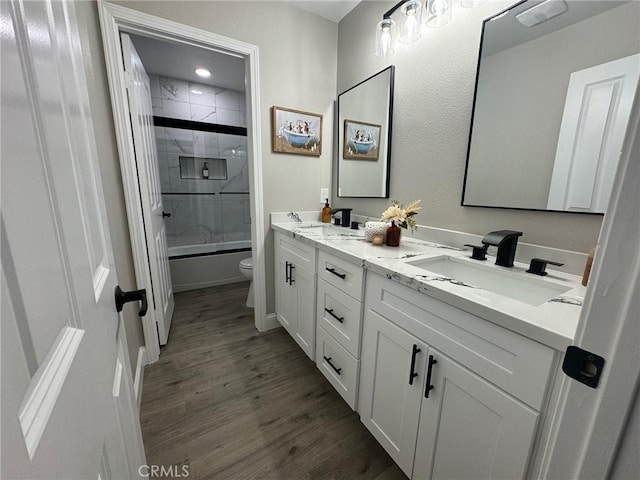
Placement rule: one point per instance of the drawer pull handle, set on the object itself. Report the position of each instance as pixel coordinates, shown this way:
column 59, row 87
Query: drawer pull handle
column 412, row 373
column 328, row 360
column 429, row 387
column 333, row 270
column 330, row 312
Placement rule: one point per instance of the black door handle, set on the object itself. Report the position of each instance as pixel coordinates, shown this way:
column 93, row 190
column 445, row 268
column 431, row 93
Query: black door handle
column 131, row 296
column 286, row 272
column 412, row 372
column 330, row 312
column 328, row 360
column 291, row 267
column 429, row 387
column 333, row 270
column 165, row 214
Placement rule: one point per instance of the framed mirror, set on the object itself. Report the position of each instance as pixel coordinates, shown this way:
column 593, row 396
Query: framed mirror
column 554, row 88
column 364, row 137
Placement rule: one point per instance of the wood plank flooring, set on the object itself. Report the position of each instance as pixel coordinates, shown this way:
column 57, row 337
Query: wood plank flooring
column 232, row 403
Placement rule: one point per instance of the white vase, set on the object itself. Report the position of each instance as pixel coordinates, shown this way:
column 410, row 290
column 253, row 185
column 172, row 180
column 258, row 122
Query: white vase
column 373, row 228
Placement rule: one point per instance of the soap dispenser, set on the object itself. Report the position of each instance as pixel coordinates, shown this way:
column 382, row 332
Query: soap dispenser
column 205, row 171
column 326, row 212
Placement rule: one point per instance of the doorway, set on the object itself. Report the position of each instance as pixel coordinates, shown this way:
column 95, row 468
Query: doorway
column 116, row 20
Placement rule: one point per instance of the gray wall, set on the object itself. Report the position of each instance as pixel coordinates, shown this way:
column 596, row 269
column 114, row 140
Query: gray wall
column 579, row 46
column 309, row 83
column 433, row 97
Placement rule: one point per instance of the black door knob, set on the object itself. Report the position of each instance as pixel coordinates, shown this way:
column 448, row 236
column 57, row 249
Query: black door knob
column 131, row 296
column 165, row 214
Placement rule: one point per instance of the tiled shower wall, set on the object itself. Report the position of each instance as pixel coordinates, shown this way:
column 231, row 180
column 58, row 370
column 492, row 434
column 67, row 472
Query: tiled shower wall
column 203, row 211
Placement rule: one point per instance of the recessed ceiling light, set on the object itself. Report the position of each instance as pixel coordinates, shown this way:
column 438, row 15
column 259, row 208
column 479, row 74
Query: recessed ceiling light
column 203, row 72
column 195, row 91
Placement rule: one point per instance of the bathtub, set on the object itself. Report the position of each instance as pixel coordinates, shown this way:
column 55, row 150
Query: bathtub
column 209, row 248
column 207, row 265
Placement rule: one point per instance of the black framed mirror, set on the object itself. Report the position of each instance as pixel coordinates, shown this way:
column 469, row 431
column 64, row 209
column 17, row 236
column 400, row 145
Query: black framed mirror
column 554, row 86
column 365, row 114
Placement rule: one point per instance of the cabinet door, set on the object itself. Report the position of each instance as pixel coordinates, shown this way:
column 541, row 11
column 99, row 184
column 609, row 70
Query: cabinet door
column 286, row 301
column 389, row 406
column 469, row 428
column 305, row 289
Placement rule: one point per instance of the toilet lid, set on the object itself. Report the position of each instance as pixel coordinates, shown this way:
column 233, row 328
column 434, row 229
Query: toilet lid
column 246, row 263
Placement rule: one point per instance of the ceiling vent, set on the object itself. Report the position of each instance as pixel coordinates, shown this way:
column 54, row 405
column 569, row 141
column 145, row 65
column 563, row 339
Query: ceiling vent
column 542, row 12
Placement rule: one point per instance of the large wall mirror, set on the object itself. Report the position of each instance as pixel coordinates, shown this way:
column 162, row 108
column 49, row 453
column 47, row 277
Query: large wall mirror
column 555, row 84
column 364, row 137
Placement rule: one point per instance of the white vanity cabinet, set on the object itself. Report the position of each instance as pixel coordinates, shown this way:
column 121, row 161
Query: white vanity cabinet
column 339, row 319
column 295, row 267
column 448, row 394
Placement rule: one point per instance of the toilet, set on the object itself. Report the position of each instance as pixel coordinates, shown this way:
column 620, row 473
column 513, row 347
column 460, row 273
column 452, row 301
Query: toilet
column 246, row 269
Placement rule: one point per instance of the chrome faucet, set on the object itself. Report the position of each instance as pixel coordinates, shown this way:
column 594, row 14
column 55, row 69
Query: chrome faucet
column 506, row 241
column 294, row 216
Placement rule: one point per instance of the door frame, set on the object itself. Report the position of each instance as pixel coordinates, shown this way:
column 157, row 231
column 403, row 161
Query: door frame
column 588, row 425
column 113, row 20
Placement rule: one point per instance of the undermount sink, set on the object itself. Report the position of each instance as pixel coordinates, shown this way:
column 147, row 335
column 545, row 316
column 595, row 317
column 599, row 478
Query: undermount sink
column 311, row 224
column 515, row 285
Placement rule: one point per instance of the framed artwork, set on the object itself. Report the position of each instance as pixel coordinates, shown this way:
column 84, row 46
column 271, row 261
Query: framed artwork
column 361, row 140
column 295, row 131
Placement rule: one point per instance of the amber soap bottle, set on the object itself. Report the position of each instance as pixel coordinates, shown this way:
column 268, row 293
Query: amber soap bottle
column 326, row 213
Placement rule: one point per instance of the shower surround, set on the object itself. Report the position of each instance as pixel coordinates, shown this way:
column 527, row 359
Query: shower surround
column 207, row 215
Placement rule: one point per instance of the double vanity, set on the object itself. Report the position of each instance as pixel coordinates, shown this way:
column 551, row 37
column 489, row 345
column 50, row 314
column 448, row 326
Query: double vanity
column 450, row 362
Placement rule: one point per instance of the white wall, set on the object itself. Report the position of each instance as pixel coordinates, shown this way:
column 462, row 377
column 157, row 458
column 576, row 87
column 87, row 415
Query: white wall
column 433, row 98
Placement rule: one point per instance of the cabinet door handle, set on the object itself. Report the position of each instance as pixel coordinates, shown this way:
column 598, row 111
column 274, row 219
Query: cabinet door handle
column 412, row 373
column 328, row 360
column 286, row 272
column 291, row 267
column 330, row 312
column 429, row 387
column 333, row 270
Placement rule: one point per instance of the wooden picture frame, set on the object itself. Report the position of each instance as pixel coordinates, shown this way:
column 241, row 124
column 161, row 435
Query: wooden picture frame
column 296, row 132
column 361, row 140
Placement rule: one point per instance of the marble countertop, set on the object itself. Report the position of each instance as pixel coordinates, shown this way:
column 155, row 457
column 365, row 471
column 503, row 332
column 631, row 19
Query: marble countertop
column 552, row 323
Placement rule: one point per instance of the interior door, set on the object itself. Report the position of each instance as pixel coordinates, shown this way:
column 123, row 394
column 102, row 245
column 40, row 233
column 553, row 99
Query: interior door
column 594, row 121
column 67, row 404
column 139, row 91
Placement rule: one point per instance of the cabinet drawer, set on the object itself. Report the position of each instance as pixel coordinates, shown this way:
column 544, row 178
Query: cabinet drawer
column 514, row 363
column 340, row 316
column 342, row 274
column 301, row 254
column 338, row 365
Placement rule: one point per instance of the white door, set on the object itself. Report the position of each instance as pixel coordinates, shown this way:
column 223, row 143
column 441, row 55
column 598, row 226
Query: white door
column 67, row 404
column 469, row 428
column 285, row 296
column 304, row 284
column 389, row 403
column 139, row 91
column 594, row 121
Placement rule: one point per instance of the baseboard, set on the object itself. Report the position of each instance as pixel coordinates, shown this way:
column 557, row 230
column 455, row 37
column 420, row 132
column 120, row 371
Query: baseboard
column 137, row 382
column 271, row 322
column 185, row 287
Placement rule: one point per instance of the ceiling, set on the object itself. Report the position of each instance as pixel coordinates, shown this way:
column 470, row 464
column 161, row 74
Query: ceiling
column 179, row 61
column 334, row 10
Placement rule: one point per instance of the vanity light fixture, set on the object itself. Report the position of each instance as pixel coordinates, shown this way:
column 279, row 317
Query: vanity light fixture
column 438, row 13
column 195, row 91
column 203, row 72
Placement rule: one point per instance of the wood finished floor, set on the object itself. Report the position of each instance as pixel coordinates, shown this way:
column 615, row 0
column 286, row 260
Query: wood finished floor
column 232, row 403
